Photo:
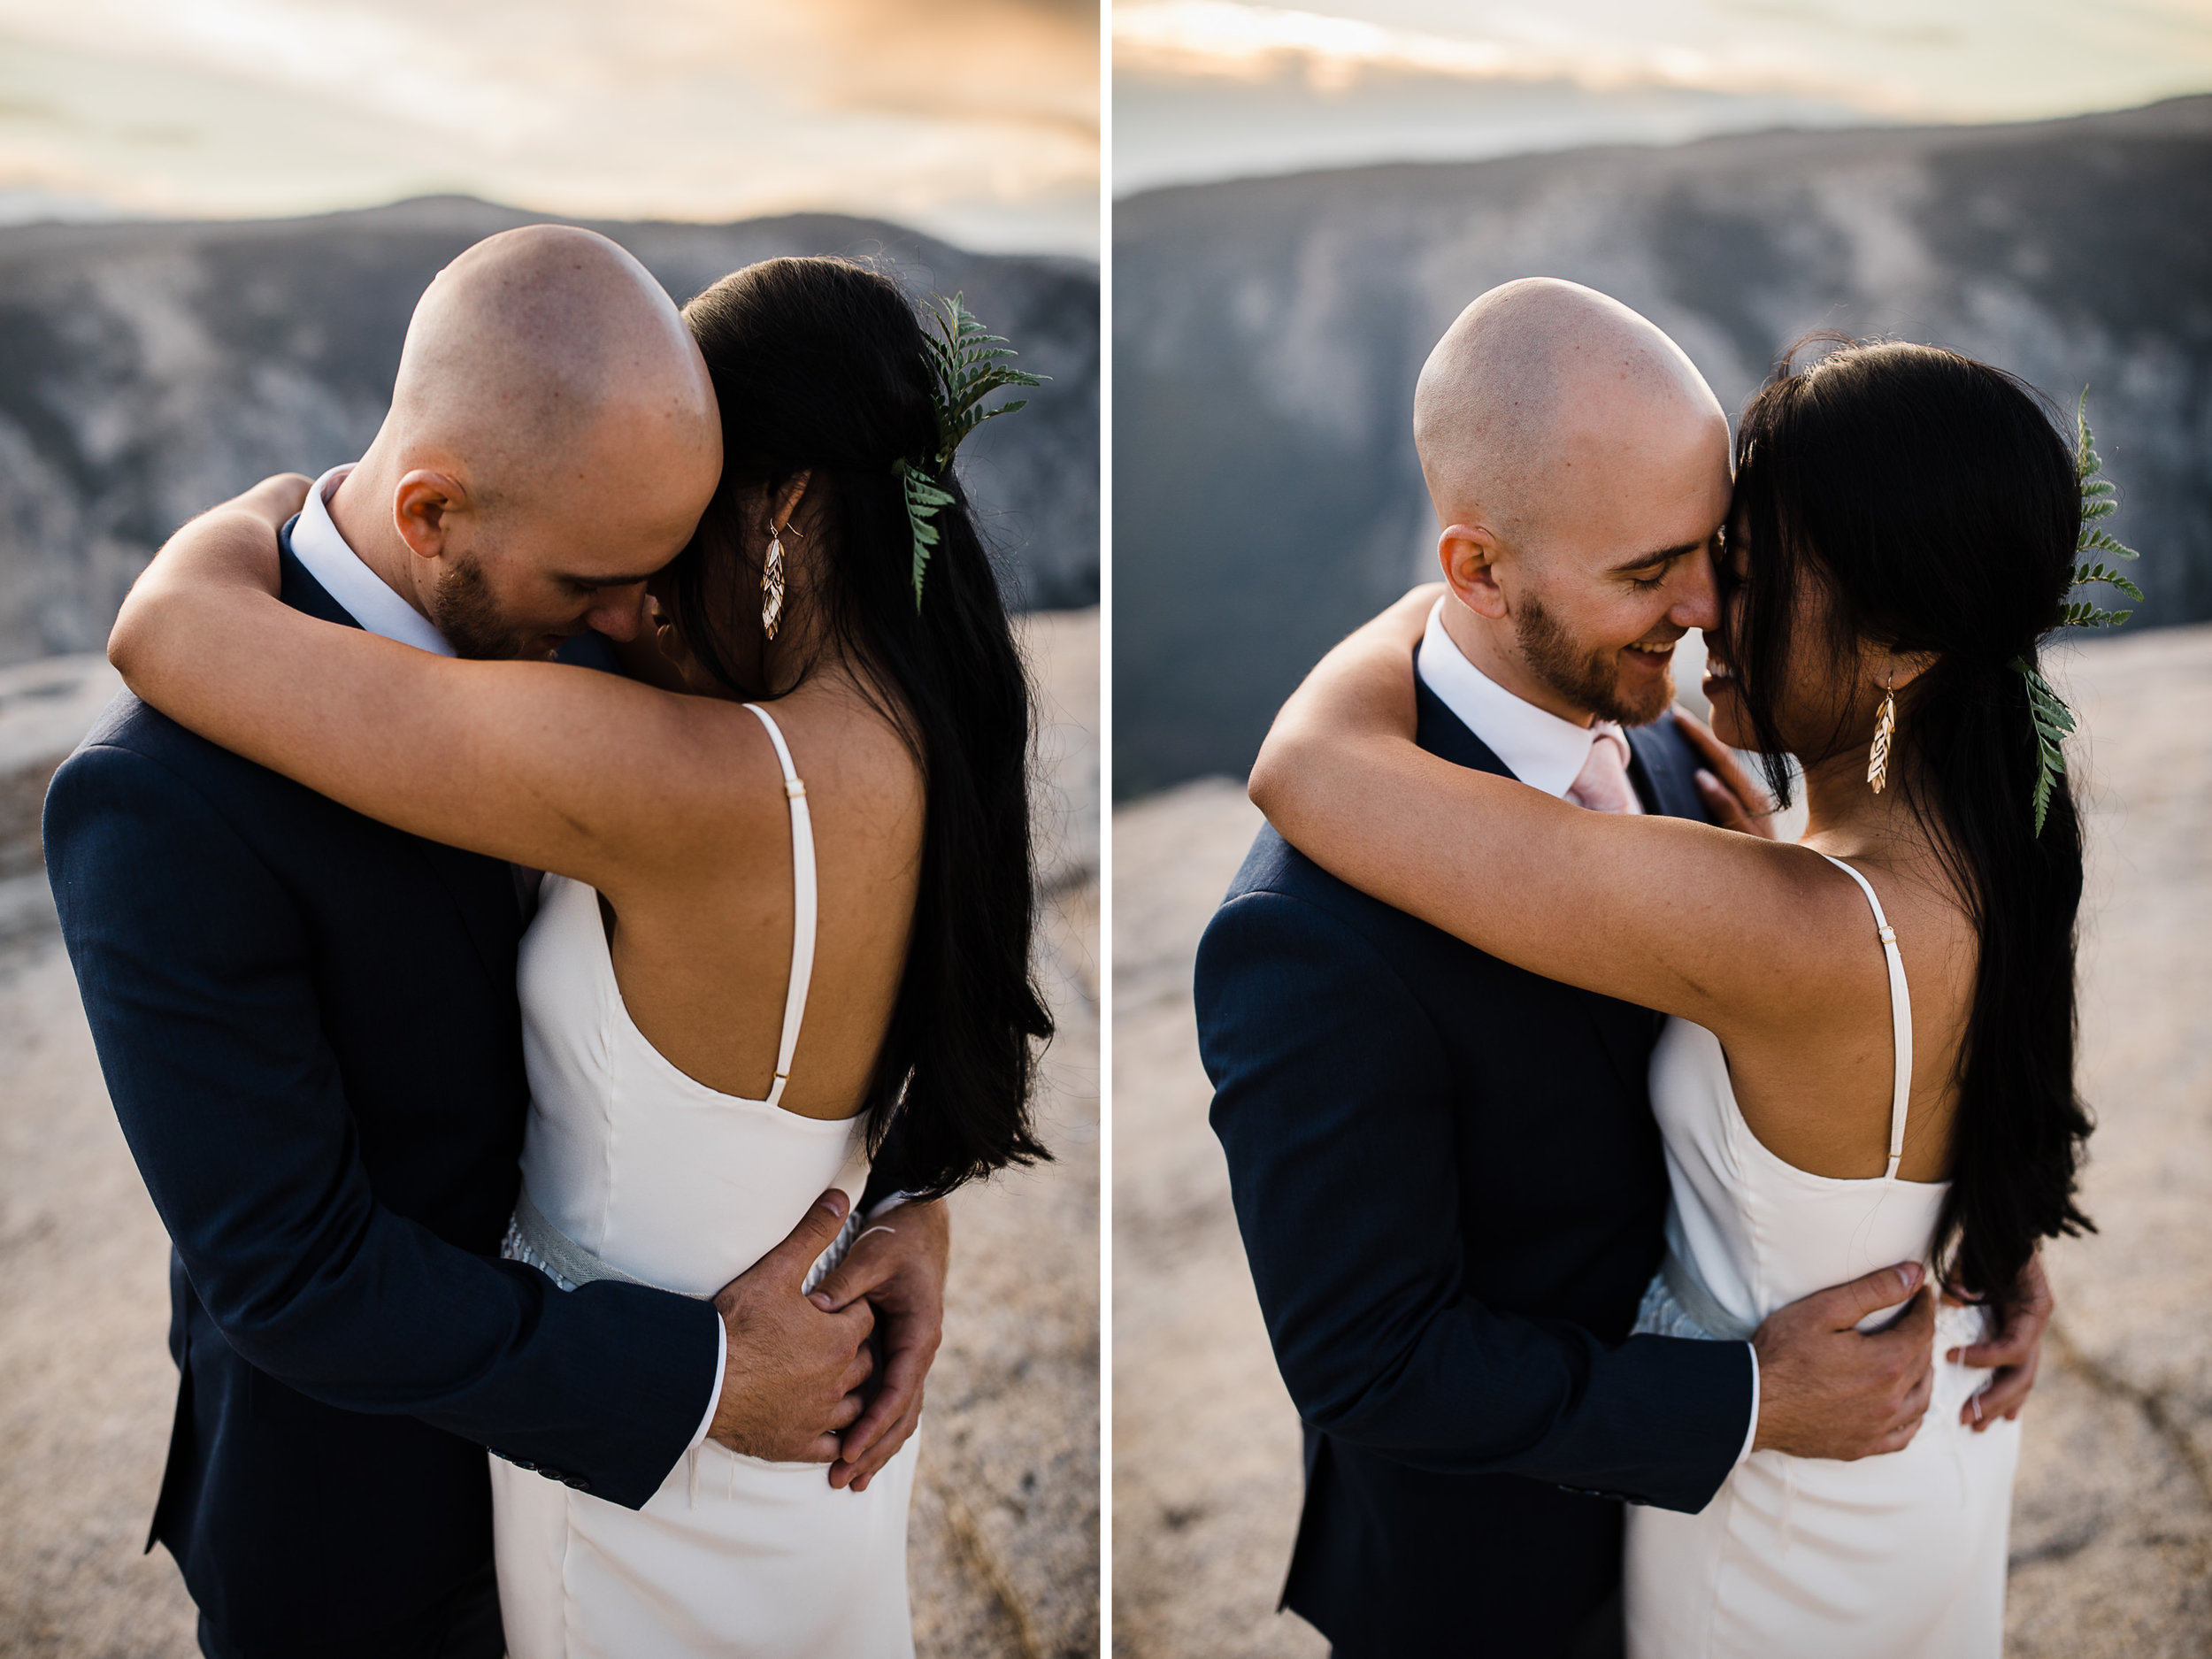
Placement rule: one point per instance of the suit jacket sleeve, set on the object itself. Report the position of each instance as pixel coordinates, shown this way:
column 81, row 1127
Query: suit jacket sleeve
column 1334, row 1103
column 194, row 966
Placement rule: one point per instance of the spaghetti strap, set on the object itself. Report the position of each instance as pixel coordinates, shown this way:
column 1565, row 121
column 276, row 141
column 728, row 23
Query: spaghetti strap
column 802, row 908
column 1900, row 1019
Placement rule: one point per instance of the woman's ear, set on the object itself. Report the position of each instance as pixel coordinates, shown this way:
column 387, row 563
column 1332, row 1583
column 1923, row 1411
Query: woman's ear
column 1897, row 669
column 788, row 503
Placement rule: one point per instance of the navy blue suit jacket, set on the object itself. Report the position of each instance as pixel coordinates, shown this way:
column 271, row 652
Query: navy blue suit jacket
column 308, row 1025
column 1452, row 1195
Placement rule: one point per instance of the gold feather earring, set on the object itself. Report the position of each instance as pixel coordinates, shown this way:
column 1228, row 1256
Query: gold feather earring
column 1885, row 728
column 771, row 579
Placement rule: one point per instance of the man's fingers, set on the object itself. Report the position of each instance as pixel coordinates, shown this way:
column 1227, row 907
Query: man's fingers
column 848, row 1412
column 2007, row 1392
column 858, row 1475
column 887, row 1444
column 856, row 1374
column 1916, row 1397
column 1916, row 1325
column 902, row 1385
column 2010, row 1346
column 861, row 1273
column 804, row 1245
column 1843, row 1306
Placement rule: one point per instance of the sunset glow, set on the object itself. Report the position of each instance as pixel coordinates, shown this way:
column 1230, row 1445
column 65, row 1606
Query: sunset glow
column 977, row 119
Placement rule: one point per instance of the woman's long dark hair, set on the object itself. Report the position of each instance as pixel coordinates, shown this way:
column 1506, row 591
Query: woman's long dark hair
column 819, row 367
column 1930, row 500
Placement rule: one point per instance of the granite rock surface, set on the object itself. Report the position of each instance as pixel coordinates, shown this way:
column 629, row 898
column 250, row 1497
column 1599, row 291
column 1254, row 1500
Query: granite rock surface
column 2112, row 1518
column 1004, row 1542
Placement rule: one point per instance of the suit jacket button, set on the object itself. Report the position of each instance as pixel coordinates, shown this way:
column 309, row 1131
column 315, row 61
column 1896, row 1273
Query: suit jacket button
column 550, row 1473
column 577, row 1483
column 521, row 1463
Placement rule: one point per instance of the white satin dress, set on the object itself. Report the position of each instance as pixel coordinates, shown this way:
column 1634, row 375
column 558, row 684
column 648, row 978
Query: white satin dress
column 670, row 1183
column 1893, row 1557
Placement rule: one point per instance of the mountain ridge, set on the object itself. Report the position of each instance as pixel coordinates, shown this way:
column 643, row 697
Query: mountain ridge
column 149, row 368
column 1270, row 330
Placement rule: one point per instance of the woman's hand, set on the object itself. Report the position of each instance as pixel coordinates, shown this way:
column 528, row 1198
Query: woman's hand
column 1735, row 802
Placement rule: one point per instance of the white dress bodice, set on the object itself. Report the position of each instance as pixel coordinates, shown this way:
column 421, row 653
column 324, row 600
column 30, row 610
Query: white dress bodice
column 1761, row 1233
column 1901, row 1556
column 655, row 1177
column 673, row 1182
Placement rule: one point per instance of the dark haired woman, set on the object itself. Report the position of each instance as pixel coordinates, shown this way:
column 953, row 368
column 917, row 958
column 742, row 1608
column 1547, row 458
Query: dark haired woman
column 823, row 920
column 1869, row 1054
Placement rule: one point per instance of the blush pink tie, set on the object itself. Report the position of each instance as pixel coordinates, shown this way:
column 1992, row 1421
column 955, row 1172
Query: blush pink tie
column 1603, row 784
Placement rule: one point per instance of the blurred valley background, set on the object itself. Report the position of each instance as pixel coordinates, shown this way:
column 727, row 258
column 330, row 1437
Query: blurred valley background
column 1305, row 199
column 148, row 369
column 1269, row 333
column 215, row 219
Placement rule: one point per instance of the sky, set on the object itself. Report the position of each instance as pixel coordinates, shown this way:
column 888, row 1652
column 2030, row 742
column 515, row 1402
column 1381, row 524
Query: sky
column 976, row 121
column 1223, row 88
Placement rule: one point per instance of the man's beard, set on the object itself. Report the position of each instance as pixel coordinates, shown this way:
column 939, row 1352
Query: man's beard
column 466, row 613
column 1590, row 680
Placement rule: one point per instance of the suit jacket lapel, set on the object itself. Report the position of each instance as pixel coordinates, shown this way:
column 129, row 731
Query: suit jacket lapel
column 482, row 888
column 1623, row 1031
column 1663, row 769
column 1447, row 736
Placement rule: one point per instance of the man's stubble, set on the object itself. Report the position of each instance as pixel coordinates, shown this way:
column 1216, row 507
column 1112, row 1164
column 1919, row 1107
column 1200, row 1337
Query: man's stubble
column 1588, row 679
column 465, row 611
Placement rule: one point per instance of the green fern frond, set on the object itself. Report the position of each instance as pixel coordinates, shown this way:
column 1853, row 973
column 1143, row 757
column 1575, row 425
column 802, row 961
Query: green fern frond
column 2085, row 574
column 2099, row 500
column 923, row 499
column 970, row 365
column 2054, row 722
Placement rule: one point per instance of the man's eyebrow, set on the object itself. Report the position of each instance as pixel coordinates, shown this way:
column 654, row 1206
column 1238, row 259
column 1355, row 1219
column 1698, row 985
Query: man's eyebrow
column 1645, row 560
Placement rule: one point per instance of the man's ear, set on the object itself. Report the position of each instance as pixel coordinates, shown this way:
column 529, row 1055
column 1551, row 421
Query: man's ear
column 1469, row 554
column 422, row 509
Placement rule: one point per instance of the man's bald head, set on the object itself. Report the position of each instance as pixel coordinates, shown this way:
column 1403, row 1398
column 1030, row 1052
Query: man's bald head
column 534, row 347
column 552, row 441
column 1579, row 465
column 1536, row 380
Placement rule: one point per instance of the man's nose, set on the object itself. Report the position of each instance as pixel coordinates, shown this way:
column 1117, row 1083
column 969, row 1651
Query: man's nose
column 618, row 612
column 1697, row 600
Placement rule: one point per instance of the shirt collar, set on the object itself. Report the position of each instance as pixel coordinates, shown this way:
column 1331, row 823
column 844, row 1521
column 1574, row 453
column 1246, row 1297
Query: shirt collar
column 1538, row 746
column 367, row 597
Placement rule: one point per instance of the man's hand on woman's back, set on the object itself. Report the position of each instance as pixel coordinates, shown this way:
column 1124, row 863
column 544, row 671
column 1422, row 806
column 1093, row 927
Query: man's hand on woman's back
column 794, row 1372
column 1827, row 1389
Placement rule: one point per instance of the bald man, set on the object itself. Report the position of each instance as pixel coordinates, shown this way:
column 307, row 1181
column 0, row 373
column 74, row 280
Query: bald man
column 1446, row 1171
column 309, row 1025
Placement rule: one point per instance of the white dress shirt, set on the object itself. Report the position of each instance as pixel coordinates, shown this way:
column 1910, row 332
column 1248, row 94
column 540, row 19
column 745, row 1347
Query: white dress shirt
column 1541, row 750
column 373, row 602
column 367, row 597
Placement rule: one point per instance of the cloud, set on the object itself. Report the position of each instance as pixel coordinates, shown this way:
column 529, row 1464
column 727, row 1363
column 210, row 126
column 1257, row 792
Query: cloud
column 954, row 115
column 1227, row 40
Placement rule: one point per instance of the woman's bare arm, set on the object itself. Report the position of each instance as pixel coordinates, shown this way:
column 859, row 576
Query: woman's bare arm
column 1718, row 927
column 561, row 768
